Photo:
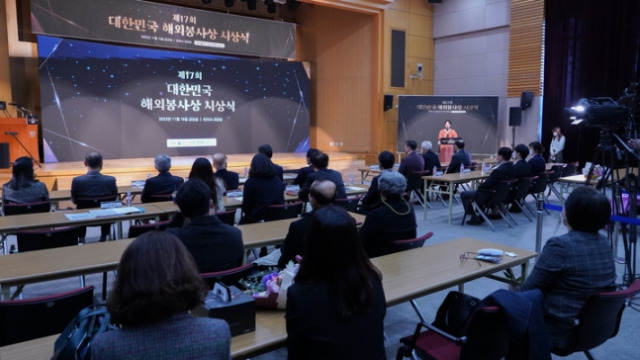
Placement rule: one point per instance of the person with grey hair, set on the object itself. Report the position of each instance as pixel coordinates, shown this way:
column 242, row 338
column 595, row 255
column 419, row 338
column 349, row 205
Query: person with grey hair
column 430, row 158
column 162, row 184
column 394, row 220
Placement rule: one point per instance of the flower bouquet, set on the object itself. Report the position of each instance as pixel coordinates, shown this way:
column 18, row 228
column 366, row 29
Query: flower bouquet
column 271, row 291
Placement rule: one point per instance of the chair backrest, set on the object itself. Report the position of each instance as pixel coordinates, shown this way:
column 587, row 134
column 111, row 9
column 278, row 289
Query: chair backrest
column 521, row 188
column 570, row 169
column 283, row 211
column 137, row 230
column 487, row 334
column 228, row 277
column 501, row 193
column 39, row 239
column 88, row 202
column 598, row 320
column 22, row 320
column 540, row 184
column 556, row 172
column 11, row 208
column 160, row 197
column 407, row 244
column 414, row 179
column 349, row 204
column 227, row 217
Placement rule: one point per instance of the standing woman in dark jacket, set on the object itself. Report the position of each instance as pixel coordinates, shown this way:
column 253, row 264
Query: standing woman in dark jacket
column 336, row 307
column 262, row 188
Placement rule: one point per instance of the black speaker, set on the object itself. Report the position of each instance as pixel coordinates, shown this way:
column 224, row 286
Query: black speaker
column 388, row 102
column 515, row 116
column 526, row 99
column 4, row 156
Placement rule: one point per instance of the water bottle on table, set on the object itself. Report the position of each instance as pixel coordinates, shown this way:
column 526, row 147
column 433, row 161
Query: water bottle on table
column 128, row 198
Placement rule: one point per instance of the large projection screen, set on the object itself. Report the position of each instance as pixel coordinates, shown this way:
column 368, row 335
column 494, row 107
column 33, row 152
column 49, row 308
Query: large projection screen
column 474, row 118
column 130, row 102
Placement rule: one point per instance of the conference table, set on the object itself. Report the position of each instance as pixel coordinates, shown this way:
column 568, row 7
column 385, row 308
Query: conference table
column 450, row 180
column 35, row 266
column 406, row 275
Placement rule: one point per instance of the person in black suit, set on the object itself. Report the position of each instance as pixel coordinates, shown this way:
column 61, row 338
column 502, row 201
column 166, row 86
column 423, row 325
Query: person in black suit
column 93, row 184
column 522, row 168
column 321, row 193
column 262, row 188
column 336, row 307
column 215, row 246
column 268, row 151
column 504, row 171
column 230, row 178
column 395, row 220
column 430, row 158
column 460, row 157
column 371, row 199
column 305, row 171
column 320, row 162
column 163, row 183
column 536, row 162
column 412, row 162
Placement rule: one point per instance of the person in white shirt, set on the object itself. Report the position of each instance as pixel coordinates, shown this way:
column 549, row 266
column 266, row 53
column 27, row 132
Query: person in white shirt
column 557, row 146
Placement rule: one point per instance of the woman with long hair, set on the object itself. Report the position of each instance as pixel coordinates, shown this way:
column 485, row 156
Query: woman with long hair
column 23, row 188
column 157, row 285
column 202, row 169
column 336, row 307
column 557, row 146
column 262, row 188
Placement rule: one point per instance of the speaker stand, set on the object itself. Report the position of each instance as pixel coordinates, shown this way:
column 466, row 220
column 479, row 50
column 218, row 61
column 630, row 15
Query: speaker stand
column 513, row 137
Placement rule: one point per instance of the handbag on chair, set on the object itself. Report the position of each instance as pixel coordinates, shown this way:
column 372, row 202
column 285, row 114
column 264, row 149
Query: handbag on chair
column 454, row 311
column 74, row 341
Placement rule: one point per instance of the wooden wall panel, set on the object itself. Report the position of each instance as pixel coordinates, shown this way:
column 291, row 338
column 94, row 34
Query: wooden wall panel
column 525, row 47
column 340, row 45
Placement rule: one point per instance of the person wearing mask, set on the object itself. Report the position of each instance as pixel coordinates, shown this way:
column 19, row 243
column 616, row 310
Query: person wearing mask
column 430, row 158
column 574, row 265
column 305, row 171
column 320, row 163
column 503, row 171
column 536, row 162
column 460, row 157
column 557, row 146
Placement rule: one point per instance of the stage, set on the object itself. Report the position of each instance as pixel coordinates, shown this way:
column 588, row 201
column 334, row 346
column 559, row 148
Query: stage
column 58, row 176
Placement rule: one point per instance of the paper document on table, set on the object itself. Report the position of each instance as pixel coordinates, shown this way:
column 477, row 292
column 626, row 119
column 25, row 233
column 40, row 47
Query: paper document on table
column 115, row 211
column 80, row 216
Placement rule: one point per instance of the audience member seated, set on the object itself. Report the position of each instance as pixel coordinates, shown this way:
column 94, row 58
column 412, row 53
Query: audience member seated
column 215, row 246
column 395, row 220
column 157, row 285
column 574, row 265
column 163, row 183
column 371, row 199
column 268, row 151
column 201, row 169
column 262, row 188
column 321, row 193
column 305, row 171
column 460, row 157
column 430, row 158
column 23, row 188
column 336, row 307
column 521, row 167
column 412, row 162
column 230, row 178
column 93, row 184
column 503, row 171
column 536, row 162
column 320, row 163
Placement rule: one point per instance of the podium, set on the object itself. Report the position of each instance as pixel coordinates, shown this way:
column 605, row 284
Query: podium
column 446, row 148
column 26, row 133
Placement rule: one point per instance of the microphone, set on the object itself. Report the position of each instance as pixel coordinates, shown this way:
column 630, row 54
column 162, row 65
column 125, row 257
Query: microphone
column 10, row 133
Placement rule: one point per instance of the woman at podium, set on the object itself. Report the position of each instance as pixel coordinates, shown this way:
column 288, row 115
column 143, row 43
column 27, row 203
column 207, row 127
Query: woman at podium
column 446, row 150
